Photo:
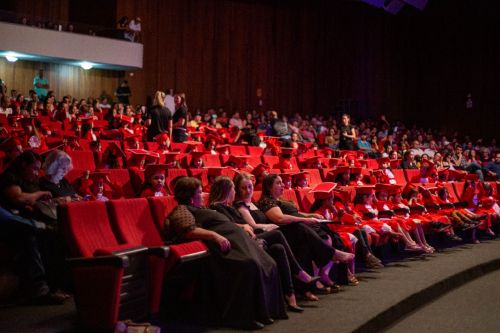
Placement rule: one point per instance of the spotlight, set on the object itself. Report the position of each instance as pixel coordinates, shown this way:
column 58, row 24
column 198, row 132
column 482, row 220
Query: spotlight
column 86, row 65
column 10, row 58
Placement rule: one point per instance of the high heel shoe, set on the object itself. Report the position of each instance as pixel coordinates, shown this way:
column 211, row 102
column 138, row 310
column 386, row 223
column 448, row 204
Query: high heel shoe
column 295, row 308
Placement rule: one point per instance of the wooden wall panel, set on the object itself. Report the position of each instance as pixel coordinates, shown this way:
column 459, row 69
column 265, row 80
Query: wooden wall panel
column 308, row 56
column 63, row 79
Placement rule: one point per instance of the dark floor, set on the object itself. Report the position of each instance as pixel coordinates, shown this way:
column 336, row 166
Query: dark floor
column 382, row 298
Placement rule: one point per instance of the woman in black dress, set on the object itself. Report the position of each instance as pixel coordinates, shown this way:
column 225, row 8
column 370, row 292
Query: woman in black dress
column 222, row 193
column 243, row 280
column 159, row 118
column 321, row 246
column 347, row 138
column 179, row 132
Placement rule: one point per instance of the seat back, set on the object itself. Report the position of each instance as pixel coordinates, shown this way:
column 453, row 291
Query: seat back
column 411, row 174
column 314, row 177
column 290, row 195
column 452, row 194
column 399, row 176
column 121, row 178
column 237, row 150
column 86, row 227
column 133, row 223
column 256, row 195
column 459, row 189
column 160, row 208
column 254, row 150
column 210, row 160
column 271, row 160
column 82, row 160
column 178, row 146
column 254, row 160
column 305, row 198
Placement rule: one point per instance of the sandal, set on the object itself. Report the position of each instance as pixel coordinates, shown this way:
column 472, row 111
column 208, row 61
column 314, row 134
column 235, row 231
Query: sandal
column 309, row 296
column 352, row 281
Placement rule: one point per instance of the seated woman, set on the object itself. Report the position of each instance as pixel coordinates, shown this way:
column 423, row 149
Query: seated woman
column 352, row 235
column 154, row 181
column 57, row 165
column 222, row 194
column 243, row 286
column 308, row 240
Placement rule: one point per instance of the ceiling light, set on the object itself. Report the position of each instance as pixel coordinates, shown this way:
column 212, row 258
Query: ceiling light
column 11, row 58
column 86, row 65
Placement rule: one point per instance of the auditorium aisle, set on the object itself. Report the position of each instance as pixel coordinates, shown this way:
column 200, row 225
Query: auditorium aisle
column 473, row 307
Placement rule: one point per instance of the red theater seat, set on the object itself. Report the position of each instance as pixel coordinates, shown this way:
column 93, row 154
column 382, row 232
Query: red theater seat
column 210, row 160
column 178, row 146
column 82, row 160
column 133, row 224
column 107, row 287
column 290, row 195
column 399, row 176
column 306, row 199
column 254, row 151
column 121, row 178
column 179, row 253
column 237, row 150
column 314, row 177
column 411, row 174
column 256, row 196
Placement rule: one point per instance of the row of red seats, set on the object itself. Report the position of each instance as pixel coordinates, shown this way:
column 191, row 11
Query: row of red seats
column 113, row 245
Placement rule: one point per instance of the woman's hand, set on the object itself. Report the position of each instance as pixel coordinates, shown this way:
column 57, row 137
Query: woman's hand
column 311, row 220
column 223, row 242
column 44, row 195
column 248, row 229
column 318, row 216
column 267, row 227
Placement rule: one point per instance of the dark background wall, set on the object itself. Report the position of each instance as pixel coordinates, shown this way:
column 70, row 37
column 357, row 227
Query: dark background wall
column 320, row 56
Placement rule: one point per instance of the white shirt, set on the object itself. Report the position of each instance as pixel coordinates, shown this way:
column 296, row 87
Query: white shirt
column 169, row 103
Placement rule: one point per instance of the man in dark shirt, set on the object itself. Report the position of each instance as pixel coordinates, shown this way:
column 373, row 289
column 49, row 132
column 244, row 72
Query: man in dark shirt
column 493, row 167
column 123, row 92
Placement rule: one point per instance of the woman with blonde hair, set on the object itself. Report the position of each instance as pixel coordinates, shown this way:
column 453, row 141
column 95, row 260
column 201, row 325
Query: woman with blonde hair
column 158, row 118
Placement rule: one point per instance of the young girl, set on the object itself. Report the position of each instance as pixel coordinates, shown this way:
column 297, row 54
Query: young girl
column 400, row 222
column 154, row 181
column 352, row 235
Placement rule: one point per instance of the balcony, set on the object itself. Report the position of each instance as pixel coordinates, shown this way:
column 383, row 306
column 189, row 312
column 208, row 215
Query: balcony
column 34, row 44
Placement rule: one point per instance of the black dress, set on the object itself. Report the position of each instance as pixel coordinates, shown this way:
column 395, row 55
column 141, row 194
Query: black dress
column 63, row 189
column 160, row 117
column 179, row 134
column 306, row 244
column 346, row 143
column 243, row 284
column 274, row 243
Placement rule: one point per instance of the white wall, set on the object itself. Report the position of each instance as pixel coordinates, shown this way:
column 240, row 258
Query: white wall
column 52, row 45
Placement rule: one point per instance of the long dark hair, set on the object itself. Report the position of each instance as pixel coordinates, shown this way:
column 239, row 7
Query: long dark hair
column 26, row 158
column 267, row 184
column 316, row 205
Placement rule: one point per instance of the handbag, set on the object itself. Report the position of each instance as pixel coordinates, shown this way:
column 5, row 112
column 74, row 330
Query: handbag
column 46, row 211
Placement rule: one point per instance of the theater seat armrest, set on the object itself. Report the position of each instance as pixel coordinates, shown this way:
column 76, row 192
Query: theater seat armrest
column 160, row 251
column 194, row 256
column 113, row 260
column 461, row 204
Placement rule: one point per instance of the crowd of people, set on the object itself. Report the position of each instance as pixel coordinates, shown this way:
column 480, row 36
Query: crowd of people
column 265, row 247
